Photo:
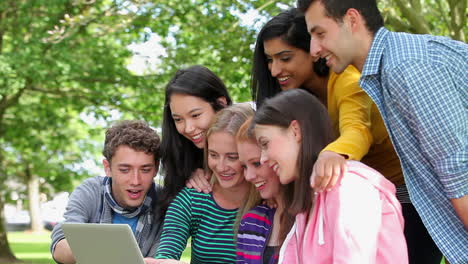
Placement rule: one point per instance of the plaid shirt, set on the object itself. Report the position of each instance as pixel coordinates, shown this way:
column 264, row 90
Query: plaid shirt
column 420, row 84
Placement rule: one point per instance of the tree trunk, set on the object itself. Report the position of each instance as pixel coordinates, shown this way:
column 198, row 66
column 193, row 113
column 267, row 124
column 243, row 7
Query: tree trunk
column 6, row 255
column 34, row 201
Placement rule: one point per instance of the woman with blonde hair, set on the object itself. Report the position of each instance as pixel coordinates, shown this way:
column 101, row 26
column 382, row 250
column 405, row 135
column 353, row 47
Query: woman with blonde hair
column 209, row 218
column 262, row 228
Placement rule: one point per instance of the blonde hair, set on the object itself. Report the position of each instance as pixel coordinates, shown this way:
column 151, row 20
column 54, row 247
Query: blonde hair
column 246, row 134
column 227, row 120
column 230, row 120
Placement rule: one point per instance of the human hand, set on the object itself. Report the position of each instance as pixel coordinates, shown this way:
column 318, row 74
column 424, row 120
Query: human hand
column 200, row 181
column 327, row 170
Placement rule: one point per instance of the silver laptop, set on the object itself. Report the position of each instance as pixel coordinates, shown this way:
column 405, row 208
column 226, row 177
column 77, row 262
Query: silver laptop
column 102, row 243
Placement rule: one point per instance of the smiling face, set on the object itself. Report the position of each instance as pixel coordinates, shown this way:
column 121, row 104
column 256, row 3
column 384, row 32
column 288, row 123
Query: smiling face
column 192, row 117
column 280, row 150
column 132, row 174
column 291, row 66
column 223, row 160
column 330, row 39
column 261, row 175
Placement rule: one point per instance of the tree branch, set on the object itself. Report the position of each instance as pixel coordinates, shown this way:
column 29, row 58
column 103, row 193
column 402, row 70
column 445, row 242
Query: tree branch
column 396, row 23
column 414, row 17
column 7, row 102
column 88, row 96
column 442, row 14
column 458, row 19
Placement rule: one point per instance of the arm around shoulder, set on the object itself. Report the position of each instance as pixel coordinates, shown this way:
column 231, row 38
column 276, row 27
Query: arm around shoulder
column 352, row 112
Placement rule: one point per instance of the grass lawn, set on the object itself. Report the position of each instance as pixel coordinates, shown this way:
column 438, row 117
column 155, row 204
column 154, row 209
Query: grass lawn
column 34, row 248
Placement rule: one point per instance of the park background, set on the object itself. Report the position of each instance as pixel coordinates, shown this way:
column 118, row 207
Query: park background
column 69, row 68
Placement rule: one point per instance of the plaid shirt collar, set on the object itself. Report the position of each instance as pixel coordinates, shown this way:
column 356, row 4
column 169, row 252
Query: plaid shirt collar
column 372, row 64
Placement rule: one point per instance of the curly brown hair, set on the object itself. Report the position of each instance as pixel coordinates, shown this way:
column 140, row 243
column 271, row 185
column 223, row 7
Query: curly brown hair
column 135, row 134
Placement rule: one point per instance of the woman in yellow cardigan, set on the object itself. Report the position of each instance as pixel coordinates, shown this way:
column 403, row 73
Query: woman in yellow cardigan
column 282, row 62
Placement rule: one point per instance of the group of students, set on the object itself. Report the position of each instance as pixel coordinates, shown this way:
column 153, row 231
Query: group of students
column 311, row 175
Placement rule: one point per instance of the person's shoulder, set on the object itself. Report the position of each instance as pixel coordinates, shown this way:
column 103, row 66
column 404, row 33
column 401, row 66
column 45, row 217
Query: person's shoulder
column 408, row 50
column 260, row 213
column 93, row 183
column 96, row 180
column 350, row 75
column 359, row 173
column 192, row 193
column 405, row 47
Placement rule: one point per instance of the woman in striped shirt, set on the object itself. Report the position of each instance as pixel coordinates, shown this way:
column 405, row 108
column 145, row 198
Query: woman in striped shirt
column 209, row 218
column 262, row 228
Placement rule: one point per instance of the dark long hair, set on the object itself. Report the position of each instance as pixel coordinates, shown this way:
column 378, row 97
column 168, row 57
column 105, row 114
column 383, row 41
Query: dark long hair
column 316, row 134
column 291, row 27
column 179, row 156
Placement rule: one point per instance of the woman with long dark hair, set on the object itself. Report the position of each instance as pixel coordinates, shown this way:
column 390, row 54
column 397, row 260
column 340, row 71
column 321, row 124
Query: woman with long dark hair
column 358, row 220
column 192, row 98
column 208, row 218
column 282, row 62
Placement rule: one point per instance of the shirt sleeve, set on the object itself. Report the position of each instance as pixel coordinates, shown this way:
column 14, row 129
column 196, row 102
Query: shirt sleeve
column 354, row 107
column 435, row 109
column 176, row 227
column 82, row 204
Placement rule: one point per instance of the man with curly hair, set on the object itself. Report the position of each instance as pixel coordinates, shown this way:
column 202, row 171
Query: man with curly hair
column 127, row 195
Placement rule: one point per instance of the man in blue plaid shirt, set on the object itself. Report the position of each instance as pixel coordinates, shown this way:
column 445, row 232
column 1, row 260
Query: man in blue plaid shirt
column 420, row 84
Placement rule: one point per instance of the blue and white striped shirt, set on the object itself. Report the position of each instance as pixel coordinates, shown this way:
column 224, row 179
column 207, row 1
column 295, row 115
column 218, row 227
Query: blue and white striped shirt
column 420, row 84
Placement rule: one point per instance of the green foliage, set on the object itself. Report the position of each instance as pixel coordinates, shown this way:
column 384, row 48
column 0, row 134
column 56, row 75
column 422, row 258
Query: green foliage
column 63, row 62
column 58, row 59
column 209, row 32
column 438, row 17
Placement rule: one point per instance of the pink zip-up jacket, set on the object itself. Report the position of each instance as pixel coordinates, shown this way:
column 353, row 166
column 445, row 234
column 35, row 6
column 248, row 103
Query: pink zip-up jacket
column 359, row 221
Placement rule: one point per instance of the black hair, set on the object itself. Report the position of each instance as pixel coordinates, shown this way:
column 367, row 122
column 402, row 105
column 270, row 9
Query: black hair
column 179, row 156
column 291, row 27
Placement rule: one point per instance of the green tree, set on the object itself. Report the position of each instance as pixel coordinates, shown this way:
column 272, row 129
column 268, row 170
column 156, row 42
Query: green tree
column 47, row 150
column 62, row 58
column 438, row 17
column 57, row 58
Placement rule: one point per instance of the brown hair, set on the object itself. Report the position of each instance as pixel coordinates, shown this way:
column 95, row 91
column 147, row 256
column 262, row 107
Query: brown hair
column 135, row 134
column 316, row 131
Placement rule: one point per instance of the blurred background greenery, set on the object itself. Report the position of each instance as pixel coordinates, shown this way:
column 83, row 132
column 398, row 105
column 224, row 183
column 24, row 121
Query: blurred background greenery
column 68, row 68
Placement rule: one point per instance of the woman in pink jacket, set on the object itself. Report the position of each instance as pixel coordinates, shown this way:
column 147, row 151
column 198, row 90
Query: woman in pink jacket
column 358, row 221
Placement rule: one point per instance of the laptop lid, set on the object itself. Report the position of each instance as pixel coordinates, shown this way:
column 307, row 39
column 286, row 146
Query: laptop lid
column 102, row 243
